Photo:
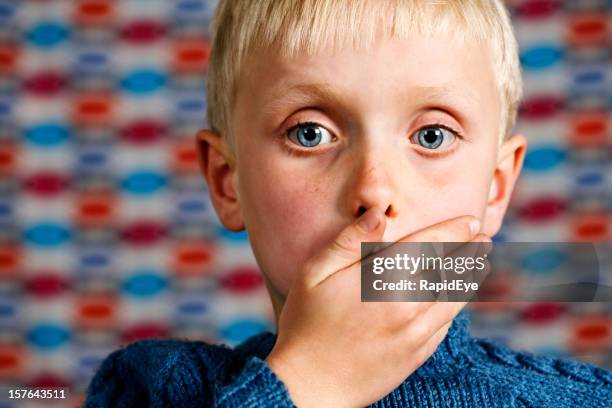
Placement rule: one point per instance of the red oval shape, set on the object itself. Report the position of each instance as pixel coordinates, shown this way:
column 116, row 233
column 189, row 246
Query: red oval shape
column 143, row 131
column 96, row 12
column 588, row 28
column 144, row 232
column 144, row 331
column 593, row 331
column 94, row 8
column 590, row 123
column 8, row 58
column 190, row 55
column 10, row 259
column 95, row 209
column 593, row 228
column 543, row 312
column 185, row 157
column 543, row 209
column 48, row 380
column 11, row 360
column 46, row 183
column 535, row 9
column 242, row 280
column 143, row 31
column 193, row 256
column 46, row 83
column 8, row 158
column 541, row 107
column 47, row 285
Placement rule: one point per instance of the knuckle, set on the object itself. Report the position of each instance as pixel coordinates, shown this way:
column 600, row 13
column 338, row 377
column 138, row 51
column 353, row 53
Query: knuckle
column 418, row 332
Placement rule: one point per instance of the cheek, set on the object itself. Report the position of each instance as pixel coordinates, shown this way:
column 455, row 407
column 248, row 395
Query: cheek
column 283, row 219
column 455, row 189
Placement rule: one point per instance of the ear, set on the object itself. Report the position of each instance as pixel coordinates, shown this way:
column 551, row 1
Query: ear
column 218, row 168
column 509, row 165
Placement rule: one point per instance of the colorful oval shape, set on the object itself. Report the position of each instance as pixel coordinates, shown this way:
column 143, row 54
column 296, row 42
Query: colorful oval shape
column 48, row 134
column 48, row 335
column 144, row 284
column 143, row 81
column 48, row 234
column 544, row 158
column 542, row 56
column 47, row 34
column 143, row 182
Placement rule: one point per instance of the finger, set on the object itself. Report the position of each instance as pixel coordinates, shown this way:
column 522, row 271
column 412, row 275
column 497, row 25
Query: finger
column 427, row 324
column 459, row 229
column 345, row 250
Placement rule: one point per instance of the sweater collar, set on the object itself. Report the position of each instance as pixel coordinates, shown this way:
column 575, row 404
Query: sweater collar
column 450, row 354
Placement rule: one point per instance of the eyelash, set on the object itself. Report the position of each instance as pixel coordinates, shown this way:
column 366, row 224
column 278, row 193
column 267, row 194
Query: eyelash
column 305, row 153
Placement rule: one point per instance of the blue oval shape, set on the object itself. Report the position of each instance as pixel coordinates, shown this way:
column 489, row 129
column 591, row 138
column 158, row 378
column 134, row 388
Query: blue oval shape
column 543, row 260
column 193, row 307
column 191, row 105
column 144, row 284
column 190, row 6
column 48, row 234
column 95, row 260
column 7, row 310
column 240, row 330
column 7, row 11
column 542, row 56
column 589, row 179
column 193, row 10
column 6, row 209
column 591, row 77
column 48, row 34
column 196, row 204
column 544, row 158
column 143, row 182
column 143, row 81
column 48, row 134
column 92, row 58
column 93, row 159
column 48, row 335
column 5, row 108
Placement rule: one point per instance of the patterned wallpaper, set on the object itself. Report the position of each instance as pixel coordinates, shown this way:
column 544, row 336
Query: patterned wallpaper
column 107, row 234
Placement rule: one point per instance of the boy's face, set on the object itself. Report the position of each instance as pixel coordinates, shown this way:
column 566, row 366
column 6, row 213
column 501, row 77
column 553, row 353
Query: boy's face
column 365, row 148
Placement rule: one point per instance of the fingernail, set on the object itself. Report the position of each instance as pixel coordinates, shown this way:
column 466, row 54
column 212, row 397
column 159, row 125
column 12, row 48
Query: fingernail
column 474, row 226
column 369, row 221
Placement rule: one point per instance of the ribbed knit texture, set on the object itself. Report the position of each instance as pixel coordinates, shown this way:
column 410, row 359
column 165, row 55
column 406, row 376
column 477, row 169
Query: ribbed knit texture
column 463, row 372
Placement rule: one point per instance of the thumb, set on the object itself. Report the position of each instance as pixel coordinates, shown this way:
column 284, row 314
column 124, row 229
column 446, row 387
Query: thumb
column 345, row 250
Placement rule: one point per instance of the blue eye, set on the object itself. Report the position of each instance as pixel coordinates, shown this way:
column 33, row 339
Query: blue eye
column 432, row 137
column 309, row 134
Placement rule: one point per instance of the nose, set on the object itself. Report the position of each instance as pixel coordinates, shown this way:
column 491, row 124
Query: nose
column 373, row 184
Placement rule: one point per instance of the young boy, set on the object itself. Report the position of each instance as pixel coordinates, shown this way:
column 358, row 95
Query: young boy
column 334, row 122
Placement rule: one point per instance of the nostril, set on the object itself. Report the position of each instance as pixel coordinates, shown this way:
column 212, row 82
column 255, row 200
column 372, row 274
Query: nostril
column 389, row 211
column 361, row 210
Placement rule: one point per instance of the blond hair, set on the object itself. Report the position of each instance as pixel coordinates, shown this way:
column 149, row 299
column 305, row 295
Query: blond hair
column 240, row 27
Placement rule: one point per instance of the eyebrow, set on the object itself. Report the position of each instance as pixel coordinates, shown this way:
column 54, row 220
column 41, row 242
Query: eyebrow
column 459, row 103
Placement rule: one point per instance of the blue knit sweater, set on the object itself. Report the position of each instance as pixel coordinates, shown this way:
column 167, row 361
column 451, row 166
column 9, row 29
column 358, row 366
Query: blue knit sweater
column 463, row 372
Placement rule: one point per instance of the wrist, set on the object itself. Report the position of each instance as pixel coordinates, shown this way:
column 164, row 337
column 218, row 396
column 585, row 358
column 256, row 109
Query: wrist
column 306, row 390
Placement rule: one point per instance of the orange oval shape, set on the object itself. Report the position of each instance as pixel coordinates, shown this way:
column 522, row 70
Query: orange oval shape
column 93, row 109
column 190, row 55
column 592, row 227
column 192, row 258
column 10, row 261
column 184, row 157
column 587, row 28
column 96, row 311
column 95, row 209
column 94, row 12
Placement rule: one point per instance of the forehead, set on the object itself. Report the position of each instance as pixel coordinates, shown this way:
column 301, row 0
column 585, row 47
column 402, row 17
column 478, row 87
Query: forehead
column 390, row 73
